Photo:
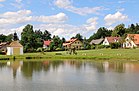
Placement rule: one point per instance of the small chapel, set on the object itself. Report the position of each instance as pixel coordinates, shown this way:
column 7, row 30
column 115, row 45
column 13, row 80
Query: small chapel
column 15, row 48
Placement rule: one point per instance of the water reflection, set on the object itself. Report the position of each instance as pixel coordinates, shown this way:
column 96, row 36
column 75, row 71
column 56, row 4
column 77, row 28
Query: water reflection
column 68, row 75
column 27, row 68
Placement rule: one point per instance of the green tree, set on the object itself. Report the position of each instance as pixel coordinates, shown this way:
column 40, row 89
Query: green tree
column 102, row 32
column 119, row 30
column 28, row 38
column 9, row 38
column 46, row 35
column 56, row 43
column 79, row 37
column 2, row 38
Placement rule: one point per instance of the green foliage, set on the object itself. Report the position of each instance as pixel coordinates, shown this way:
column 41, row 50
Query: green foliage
column 119, row 30
column 28, row 38
column 102, row 32
column 100, row 46
column 56, row 43
column 79, row 37
column 115, row 45
column 93, row 46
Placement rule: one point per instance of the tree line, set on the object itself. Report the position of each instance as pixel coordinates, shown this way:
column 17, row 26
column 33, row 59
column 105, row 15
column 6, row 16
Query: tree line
column 32, row 40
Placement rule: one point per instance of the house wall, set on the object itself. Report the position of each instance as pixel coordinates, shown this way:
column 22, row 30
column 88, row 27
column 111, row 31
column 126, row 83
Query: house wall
column 129, row 43
column 105, row 42
column 14, row 50
column 77, row 44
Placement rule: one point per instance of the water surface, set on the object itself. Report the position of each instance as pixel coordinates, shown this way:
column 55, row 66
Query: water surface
column 68, row 76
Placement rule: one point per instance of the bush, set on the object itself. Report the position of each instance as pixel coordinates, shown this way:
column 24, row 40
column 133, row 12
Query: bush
column 39, row 50
column 100, row 46
column 93, row 46
column 115, row 45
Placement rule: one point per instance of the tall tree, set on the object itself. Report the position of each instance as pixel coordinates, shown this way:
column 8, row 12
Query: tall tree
column 46, row 35
column 28, row 38
column 102, row 32
column 79, row 37
column 119, row 30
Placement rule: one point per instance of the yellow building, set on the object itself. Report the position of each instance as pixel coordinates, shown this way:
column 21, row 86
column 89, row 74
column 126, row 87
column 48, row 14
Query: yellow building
column 15, row 48
column 73, row 43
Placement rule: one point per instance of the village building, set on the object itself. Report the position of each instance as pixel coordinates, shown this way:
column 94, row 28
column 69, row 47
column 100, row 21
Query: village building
column 73, row 43
column 109, row 40
column 96, row 41
column 15, row 48
column 46, row 44
column 131, row 41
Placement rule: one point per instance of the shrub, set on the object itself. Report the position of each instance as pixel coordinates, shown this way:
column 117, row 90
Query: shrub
column 115, row 45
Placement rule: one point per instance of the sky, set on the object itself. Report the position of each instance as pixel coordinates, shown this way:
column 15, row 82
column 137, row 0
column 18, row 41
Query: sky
column 66, row 18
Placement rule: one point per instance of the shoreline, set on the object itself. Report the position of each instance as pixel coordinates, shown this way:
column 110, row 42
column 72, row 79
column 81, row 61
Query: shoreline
column 101, row 54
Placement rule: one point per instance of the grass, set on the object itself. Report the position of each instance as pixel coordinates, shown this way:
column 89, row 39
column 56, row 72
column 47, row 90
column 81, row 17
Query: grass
column 100, row 54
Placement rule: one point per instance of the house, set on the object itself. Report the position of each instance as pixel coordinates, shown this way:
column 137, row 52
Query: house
column 96, row 42
column 131, row 41
column 109, row 40
column 46, row 44
column 3, row 47
column 73, row 43
column 15, row 48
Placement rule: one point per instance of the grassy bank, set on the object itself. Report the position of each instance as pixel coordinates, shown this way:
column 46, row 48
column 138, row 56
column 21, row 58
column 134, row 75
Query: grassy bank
column 100, row 54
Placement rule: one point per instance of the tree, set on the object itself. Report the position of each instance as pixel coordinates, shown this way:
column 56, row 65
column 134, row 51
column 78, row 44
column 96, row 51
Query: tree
column 9, row 38
column 15, row 37
column 2, row 38
column 119, row 30
column 46, row 35
column 79, row 37
column 56, row 43
column 102, row 32
column 28, row 38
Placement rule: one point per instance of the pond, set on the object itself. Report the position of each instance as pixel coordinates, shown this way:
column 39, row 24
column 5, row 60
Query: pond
column 70, row 75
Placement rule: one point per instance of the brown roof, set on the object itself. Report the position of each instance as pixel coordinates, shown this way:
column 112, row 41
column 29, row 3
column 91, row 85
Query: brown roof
column 70, row 41
column 134, row 37
column 97, row 41
column 15, row 44
column 47, row 43
column 113, row 39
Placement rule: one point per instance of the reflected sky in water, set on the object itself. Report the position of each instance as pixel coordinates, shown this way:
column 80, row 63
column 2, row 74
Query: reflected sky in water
column 68, row 75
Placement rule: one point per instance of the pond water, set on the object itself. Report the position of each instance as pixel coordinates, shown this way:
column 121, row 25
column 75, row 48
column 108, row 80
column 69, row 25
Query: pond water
column 68, row 76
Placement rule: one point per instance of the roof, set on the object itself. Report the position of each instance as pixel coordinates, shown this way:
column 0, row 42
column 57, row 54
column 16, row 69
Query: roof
column 15, row 44
column 97, row 41
column 72, row 40
column 47, row 43
column 135, row 38
column 113, row 39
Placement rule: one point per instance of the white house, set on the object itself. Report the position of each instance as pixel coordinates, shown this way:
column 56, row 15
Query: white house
column 15, row 48
column 109, row 40
column 132, row 40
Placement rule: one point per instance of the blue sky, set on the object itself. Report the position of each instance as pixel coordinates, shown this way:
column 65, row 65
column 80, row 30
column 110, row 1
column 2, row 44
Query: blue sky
column 66, row 18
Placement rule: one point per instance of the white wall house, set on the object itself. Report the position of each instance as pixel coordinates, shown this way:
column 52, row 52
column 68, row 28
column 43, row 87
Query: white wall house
column 15, row 48
column 131, row 41
column 109, row 40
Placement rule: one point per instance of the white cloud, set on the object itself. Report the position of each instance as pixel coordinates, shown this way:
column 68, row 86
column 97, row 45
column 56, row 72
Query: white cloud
column 121, row 2
column 91, row 23
column 23, row 16
column 114, row 18
column 2, row 0
column 18, row 1
column 67, row 5
column 61, row 17
column 67, row 30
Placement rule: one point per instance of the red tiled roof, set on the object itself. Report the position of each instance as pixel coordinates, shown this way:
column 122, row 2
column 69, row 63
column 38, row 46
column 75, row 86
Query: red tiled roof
column 113, row 39
column 135, row 38
column 47, row 43
column 70, row 41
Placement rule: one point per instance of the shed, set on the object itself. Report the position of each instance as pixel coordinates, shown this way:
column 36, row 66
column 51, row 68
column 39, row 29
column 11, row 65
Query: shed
column 15, row 48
